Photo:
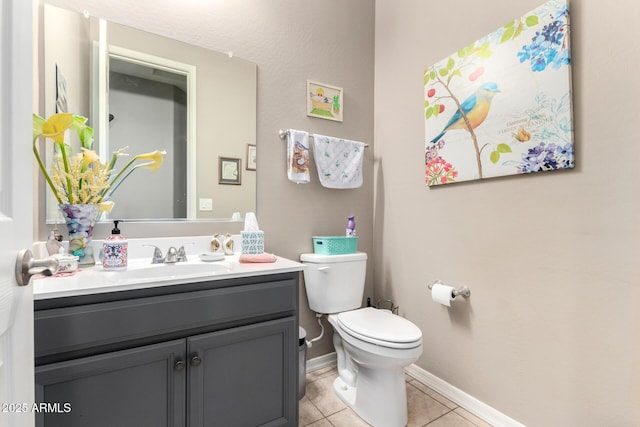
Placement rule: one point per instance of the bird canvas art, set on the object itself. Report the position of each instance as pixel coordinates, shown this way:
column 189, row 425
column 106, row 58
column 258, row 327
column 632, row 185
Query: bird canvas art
column 502, row 104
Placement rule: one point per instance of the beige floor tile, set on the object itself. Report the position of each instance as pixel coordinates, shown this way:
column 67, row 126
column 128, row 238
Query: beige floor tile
column 322, row 423
column 321, row 394
column 308, row 413
column 469, row 416
column 451, row 420
column 321, row 373
column 437, row 396
column 321, row 407
column 422, row 408
column 347, row 418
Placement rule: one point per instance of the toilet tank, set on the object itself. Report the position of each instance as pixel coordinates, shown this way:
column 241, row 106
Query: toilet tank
column 334, row 283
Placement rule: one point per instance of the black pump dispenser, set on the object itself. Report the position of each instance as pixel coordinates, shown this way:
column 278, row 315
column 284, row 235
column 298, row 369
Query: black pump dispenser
column 115, row 250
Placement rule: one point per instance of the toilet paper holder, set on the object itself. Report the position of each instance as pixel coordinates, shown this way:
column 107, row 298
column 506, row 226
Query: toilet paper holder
column 462, row 292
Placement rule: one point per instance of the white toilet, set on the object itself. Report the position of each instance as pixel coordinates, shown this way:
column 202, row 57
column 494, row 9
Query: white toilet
column 373, row 346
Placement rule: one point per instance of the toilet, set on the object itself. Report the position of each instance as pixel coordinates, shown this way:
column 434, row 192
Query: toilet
column 373, row 346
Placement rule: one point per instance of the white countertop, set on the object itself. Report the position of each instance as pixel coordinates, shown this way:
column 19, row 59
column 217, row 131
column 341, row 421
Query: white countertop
column 141, row 274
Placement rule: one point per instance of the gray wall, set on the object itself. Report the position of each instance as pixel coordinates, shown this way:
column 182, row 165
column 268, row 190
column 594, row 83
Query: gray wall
column 550, row 334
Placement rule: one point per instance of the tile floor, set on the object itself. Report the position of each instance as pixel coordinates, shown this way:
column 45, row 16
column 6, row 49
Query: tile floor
column 320, row 407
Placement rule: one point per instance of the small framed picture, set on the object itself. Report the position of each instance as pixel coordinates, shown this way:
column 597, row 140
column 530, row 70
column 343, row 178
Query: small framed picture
column 251, row 157
column 324, row 101
column 229, row 170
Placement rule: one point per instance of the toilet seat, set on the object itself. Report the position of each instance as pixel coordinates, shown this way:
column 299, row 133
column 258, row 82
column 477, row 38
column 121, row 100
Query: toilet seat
column 380, row 327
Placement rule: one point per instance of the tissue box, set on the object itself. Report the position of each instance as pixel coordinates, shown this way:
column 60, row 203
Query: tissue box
column 252, row 242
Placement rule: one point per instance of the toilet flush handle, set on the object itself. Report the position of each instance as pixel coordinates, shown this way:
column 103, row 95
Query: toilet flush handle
column 324, row 268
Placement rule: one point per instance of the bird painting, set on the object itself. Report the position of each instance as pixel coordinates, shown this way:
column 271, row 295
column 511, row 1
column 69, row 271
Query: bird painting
column 527, row 64
column 475, row 108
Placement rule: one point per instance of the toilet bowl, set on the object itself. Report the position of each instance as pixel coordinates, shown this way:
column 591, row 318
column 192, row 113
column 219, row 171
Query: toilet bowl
column 371, row 363
column 372, row 346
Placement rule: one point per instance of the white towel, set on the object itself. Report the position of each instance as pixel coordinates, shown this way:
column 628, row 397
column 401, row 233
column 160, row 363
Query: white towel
column 339, row 161
column 298, row 156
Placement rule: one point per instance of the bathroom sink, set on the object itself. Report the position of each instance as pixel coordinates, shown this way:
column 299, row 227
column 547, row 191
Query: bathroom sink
column 138, row 272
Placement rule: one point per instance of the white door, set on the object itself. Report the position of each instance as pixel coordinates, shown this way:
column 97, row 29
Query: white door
column 16, row 211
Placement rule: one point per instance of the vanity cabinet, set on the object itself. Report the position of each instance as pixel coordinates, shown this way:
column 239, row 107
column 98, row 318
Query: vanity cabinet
column 215, row 353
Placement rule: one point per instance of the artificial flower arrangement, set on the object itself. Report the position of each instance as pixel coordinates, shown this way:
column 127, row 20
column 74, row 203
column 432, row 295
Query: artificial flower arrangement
column 82, row 178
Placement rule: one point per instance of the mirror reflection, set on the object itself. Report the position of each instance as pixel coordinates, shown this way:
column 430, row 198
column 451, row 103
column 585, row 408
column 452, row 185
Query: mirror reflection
column 149, row 92
column 148, row 108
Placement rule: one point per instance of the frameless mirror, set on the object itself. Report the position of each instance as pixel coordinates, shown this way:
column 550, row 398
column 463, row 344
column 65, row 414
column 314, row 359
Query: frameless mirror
column 148, row 92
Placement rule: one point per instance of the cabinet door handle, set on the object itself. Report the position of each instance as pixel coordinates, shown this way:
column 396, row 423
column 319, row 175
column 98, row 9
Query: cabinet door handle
column 179, row 366
column 195, row 360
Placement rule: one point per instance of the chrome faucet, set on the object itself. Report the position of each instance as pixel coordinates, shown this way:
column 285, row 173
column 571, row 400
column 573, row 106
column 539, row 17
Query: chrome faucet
column 157, row 255
column 173, row 255
column 182, row 254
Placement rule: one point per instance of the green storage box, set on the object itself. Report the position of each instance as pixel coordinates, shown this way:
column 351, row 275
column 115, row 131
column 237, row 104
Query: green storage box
column 335, row 245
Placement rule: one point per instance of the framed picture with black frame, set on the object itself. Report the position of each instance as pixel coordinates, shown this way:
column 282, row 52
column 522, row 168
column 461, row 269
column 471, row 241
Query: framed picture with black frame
column 229, row 170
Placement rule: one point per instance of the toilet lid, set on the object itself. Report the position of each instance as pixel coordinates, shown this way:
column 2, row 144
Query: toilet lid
column 380, row 327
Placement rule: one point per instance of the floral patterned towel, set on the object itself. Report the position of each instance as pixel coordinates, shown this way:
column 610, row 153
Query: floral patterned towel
column 339, row 161
column 298, row 156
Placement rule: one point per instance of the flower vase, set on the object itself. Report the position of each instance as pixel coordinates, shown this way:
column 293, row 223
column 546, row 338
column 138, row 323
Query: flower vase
column 80, row 220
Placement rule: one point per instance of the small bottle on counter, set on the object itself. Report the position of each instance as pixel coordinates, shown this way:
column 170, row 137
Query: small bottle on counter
column 115, row 250
column 53, row 245
column 351, row 226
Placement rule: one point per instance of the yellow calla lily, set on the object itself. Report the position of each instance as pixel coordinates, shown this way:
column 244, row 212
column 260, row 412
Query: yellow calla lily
column 55, row 126
column 105, row 206
column 88, row 157
column 156, row 158
column 82, row 177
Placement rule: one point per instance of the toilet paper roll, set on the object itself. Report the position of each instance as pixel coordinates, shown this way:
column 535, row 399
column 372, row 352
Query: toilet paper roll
column 442, row 294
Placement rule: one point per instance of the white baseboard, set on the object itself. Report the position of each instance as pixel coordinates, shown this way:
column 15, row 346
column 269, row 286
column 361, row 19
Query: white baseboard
column 457, row 396
column 321, row 362
column 462, row 399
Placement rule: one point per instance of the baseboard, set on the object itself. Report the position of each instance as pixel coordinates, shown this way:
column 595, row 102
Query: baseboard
column 321, row 362
column 462, row 399
column 457, row 396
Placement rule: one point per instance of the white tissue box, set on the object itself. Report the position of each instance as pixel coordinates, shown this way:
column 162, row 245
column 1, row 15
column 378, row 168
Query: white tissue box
column 252, row 242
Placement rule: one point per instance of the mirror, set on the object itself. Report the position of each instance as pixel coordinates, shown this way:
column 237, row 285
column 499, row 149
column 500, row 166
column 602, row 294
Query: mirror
column 199, row 105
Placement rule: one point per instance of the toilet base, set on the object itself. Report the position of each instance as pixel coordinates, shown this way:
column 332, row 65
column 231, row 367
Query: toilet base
column 379, row 398
column 345, row 392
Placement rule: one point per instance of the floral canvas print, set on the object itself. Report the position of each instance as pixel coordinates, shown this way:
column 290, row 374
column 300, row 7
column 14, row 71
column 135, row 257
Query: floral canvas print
column 502, row 105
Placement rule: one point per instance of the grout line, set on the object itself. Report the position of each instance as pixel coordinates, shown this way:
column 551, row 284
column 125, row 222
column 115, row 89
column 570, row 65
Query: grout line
column 435, row 419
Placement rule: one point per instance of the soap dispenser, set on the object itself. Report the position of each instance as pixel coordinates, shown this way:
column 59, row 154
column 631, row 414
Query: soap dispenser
column 114, row 249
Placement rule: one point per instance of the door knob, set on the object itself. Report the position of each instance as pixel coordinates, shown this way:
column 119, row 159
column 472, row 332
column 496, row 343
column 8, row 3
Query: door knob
column 195, row 360
column 27, row 266
column 179, row 366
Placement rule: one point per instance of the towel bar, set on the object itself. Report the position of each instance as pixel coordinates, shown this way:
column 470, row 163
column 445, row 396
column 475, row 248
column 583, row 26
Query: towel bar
column 285, row 132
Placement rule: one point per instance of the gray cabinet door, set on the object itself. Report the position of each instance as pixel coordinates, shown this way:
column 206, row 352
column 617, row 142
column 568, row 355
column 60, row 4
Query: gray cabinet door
column 245, row 376
column 139, row 387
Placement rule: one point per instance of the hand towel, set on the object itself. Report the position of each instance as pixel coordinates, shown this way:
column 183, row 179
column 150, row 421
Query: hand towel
column 263, row 257
column 298, row 156
column 339, row 161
